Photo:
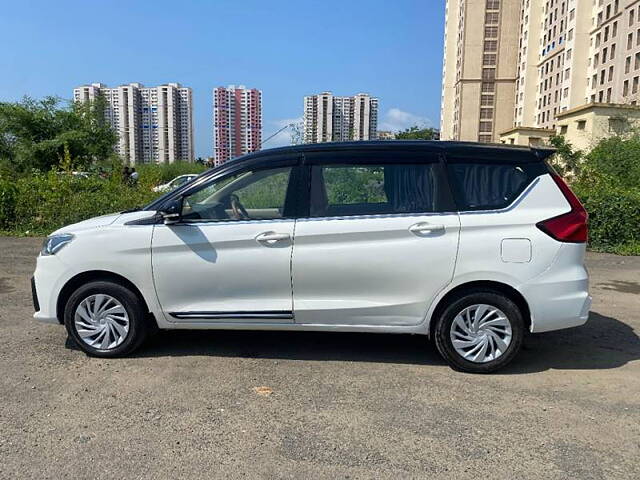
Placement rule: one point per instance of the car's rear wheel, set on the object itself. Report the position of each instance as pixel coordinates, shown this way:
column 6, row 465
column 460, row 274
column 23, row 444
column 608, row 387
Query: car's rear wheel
column 106, row 319
column 480, row 332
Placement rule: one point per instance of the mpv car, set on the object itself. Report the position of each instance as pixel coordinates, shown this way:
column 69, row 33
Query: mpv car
column 468, row 244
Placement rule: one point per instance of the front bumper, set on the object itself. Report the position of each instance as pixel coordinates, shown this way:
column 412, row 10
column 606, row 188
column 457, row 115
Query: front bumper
column 48, row 279
column 34, row 295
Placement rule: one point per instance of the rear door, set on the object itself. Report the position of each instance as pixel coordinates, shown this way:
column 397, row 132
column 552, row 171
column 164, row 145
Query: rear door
column 379, row 241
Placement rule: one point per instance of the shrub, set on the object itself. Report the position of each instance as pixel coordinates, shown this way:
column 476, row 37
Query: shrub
column 43, row 202
column 618, row 159
column 614, row 217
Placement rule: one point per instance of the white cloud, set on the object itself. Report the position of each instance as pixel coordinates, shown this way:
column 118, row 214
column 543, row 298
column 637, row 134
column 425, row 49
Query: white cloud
column 284, row 137
column 396, row 120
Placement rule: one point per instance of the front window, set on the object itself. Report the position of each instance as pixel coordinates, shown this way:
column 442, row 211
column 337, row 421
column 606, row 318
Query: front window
column 249, row 195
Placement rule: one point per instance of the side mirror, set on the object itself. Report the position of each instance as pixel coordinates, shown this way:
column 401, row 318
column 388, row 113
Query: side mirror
column 172, row 212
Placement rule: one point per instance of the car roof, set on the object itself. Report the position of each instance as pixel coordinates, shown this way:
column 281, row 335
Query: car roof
column 453, row 148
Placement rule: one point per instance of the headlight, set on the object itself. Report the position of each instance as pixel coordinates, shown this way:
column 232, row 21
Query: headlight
column 54, row 243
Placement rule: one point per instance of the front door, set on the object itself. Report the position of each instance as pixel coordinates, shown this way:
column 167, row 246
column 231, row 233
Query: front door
column 228, row 259
column 379, row 244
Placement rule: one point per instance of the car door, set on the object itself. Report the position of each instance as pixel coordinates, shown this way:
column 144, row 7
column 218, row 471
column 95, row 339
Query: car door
column 229, row 257
column 379, row 242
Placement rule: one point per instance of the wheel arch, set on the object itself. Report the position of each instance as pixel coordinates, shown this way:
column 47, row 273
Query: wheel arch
column 491, row 285
column 91, row 276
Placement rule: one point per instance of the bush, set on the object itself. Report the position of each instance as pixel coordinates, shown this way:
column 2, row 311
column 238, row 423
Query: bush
column 614, row 217
column 618, row 159
column 41, row 203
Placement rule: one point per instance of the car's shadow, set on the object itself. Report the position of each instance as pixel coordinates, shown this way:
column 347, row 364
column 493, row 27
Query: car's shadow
column 602, row 343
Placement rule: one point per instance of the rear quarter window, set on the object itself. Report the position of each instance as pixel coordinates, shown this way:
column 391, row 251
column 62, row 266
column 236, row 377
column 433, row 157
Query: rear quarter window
column 489, row 185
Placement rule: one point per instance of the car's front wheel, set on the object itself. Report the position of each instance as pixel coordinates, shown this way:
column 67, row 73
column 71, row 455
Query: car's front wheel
column 480, row 332
column 106, row 319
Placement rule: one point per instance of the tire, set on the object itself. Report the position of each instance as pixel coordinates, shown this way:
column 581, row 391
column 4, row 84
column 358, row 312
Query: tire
column 119, row 344
column 494, row 357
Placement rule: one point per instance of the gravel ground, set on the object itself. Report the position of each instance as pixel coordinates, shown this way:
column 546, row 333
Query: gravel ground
column 189, row 404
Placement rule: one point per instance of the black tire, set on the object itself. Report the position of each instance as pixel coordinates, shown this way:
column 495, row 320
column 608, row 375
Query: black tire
column 489, row 297
column 139, row 327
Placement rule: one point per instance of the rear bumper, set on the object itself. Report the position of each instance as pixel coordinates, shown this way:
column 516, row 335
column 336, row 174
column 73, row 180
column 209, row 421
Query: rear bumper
column 559, row 298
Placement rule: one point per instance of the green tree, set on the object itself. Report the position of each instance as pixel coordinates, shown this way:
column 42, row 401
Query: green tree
column 34, row 133
column 617, row 159
column 566, row 161
column 418, row 133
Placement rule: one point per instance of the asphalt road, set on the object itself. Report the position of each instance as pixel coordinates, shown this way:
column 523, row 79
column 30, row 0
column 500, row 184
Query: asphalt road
column 189, row 404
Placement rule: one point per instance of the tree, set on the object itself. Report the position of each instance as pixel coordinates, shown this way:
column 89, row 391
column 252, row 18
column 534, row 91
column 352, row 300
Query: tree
column 418, row 133
column 297, row 133
column 618, row 160
column 566, row 160
column 35, row 134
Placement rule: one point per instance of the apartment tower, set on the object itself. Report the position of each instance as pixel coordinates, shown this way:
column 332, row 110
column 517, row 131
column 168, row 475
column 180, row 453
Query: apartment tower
column 328, row 118
column 237, row 122
column 479, row 81
column 154, row 124
column 577, row 63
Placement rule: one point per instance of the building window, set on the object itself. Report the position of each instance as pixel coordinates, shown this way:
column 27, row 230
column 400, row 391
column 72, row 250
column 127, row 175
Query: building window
column 489, row 59
column 488, row 87
column 491, row 32
column 490, row 46
column 489, row 74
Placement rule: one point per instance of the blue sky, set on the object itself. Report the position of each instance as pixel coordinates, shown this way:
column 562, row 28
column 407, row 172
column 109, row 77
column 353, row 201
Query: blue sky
column 286, row 48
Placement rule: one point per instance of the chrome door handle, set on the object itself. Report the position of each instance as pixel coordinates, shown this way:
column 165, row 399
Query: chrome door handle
column 272, row 237
column 424, row 227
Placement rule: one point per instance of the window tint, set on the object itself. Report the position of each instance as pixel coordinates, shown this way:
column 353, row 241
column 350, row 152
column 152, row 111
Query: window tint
column 490, row 186
column 249, row 195
column 370, row 189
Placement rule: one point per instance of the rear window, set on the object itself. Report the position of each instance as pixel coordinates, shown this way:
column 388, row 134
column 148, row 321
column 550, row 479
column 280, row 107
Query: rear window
column 491, row 185
column 375, row 189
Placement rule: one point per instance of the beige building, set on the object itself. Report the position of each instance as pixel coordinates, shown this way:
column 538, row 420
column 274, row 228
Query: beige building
column 575, row 58
column 154, row 124
column 480, row 65
column 329, row 118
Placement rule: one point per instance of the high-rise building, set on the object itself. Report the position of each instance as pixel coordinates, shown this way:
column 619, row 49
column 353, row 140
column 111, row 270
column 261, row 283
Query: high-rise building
column 154, row 124
column 237, row 122
column 571, row 65
column 481, row 51
column 328, row 118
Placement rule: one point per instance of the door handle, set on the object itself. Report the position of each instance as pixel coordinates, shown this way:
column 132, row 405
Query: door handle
column 272, row 237
column 424, row 227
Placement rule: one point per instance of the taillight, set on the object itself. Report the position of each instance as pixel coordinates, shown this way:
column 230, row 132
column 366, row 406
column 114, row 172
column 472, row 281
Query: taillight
column 569, row 227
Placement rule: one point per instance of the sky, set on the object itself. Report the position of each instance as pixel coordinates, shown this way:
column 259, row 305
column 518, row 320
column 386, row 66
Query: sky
column 286, row 48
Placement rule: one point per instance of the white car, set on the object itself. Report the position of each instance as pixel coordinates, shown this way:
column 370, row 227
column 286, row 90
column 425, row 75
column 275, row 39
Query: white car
column 175, row 183
column 470, row 245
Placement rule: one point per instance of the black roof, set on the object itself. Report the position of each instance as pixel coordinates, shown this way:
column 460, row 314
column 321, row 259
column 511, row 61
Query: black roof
column 450, row 147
